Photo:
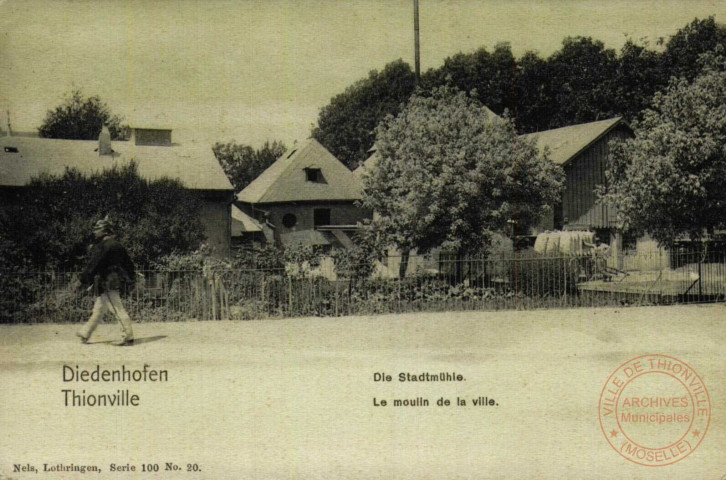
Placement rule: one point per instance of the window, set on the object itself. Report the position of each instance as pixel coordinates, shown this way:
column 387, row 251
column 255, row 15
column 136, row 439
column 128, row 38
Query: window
column 11, row 150
column 602, row 236
column 313, row 175
column 630, row 241
column 321, row 216
column 289, row 220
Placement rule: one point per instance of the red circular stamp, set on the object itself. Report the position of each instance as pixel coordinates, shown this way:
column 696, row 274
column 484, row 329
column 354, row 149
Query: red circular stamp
column 654, row 410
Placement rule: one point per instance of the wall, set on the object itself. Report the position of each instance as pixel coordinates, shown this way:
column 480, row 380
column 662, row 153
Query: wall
column 647, row 256
column 216, row 215
column 390, row 266
column 584, row 173
column 341, row 213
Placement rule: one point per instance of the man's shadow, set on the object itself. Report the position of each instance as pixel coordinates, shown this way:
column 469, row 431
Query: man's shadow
column 137, row 340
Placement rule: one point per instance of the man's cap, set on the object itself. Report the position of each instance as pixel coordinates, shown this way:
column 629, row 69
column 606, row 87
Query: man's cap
column 105, row 225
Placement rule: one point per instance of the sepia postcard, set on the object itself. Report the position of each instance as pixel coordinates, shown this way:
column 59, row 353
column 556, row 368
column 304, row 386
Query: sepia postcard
column 183, row 318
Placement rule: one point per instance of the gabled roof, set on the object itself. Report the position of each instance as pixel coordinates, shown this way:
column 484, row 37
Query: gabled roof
column 196, row 167
column 564, row 143
column 368, row 164
column 243, row 223
column 491, row 115
column 285, row 180
column 567, row 142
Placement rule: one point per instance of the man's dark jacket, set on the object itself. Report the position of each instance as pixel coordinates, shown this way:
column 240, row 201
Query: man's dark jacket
column 109, row 267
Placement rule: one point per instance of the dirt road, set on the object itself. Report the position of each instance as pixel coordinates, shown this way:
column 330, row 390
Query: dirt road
column 297, row 398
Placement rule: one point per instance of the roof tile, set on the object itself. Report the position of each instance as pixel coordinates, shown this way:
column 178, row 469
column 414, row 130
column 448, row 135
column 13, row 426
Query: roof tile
column 195, row 166
column 566, row 142
column 285, row 180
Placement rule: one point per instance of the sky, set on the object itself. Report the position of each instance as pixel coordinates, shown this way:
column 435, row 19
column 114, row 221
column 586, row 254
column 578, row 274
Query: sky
column 250, row 71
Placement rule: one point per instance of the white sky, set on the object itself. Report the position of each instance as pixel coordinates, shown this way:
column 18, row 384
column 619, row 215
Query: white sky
column 256, row 70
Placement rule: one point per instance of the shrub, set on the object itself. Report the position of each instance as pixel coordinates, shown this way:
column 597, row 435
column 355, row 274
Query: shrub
column 49, row 224
column 359, row 261
column 533, row 275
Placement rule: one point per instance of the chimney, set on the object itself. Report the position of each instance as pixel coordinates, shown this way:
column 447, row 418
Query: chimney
column 104, row 142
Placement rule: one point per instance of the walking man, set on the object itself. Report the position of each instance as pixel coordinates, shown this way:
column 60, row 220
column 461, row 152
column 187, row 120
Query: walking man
column 109, row 270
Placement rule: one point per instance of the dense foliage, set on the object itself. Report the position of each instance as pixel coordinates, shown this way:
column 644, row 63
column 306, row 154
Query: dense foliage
column 242, row 163
column 49, row 224
column 581, row 82
column 190, row 287
column 451, row 176
column 358, row 262
column 670, row 179
column 81, row 118
column 346, row 127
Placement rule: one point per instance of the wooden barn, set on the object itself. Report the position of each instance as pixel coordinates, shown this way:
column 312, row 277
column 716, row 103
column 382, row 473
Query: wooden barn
column 582, row 151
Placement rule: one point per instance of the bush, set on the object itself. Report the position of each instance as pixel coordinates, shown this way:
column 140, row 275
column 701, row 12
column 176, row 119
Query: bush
column 268, row 257
column 533, row 275
column 359, row 261
column 49, row 225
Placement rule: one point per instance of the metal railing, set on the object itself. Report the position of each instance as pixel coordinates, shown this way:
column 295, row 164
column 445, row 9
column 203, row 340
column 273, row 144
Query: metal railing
column 441, row 283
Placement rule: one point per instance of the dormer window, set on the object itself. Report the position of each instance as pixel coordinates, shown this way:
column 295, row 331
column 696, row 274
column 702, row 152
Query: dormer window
column 313, row 174
column 151, row 136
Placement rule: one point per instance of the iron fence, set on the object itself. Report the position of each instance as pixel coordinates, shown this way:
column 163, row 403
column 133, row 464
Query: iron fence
column 441, row 283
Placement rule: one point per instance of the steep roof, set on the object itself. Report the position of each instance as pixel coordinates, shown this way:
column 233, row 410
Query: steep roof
column 564, row 143
column 243, row 223
column 491, row 115
column 285, row 180
column 567, row 142
column 196, row 167
column 368, row 164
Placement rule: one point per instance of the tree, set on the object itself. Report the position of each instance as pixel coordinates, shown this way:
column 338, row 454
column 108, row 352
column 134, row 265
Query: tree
column 49, row 226
column 242, row 163
column 536, row 103
column 81, row 118
column 680, row 58
column 583, row 76
column 346, row 126
column 670, row 179
column 581, row 82
column 490, row 77
column 451, row 177
column 639, row 75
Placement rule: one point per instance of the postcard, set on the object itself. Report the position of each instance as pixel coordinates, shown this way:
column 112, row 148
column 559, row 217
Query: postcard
column 547, row 361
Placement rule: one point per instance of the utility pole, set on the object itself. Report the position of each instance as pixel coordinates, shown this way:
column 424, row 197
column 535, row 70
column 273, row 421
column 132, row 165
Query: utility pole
column 416, row 45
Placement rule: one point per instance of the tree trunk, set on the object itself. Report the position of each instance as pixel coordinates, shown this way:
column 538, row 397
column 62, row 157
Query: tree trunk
column 459, row 268
column 404, row 264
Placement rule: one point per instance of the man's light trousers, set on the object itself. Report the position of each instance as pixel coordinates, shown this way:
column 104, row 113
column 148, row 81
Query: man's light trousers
column 109, row 301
